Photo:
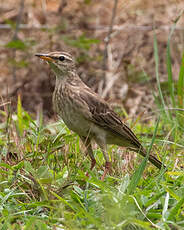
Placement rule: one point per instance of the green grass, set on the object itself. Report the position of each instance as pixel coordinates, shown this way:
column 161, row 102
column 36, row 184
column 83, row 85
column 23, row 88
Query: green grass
column 43, row 182
column 43, row 166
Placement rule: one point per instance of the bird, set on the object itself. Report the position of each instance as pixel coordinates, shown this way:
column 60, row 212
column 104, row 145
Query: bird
column 87, row 114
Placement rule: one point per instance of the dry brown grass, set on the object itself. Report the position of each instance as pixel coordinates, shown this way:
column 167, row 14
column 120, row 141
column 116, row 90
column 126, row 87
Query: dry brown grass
column 130, row 49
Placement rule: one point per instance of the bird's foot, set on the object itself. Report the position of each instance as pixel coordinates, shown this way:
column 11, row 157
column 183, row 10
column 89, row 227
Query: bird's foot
column 107, row 169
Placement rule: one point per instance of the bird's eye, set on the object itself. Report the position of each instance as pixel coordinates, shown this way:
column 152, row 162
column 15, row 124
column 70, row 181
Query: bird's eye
column 61, row 58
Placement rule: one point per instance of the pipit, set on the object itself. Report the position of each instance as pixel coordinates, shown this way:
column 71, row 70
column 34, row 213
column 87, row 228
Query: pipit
column 88, row 115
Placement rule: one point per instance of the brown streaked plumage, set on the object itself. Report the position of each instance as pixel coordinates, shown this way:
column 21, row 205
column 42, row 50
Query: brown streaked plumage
column 84, row 112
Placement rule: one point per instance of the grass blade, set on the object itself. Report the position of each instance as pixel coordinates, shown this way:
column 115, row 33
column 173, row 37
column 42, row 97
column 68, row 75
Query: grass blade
column 157, row 77
column 20, row 116
column 139, row 171
column 176, row 209
column 180, row 85
column 169, row 68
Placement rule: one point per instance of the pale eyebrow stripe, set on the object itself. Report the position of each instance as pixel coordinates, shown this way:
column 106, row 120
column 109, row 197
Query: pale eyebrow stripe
column 66, row 56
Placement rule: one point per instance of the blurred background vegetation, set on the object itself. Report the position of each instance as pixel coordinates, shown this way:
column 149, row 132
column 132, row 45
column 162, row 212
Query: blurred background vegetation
column 89, row 30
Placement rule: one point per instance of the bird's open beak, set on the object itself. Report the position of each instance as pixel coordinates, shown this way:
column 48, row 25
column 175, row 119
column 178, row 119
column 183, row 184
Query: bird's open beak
column 45, row 57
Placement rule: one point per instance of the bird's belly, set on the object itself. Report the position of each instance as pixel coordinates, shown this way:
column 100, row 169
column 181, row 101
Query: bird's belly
column 71, row 116
column 77, row 123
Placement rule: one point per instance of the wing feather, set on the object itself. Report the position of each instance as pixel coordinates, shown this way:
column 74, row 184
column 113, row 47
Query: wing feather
column 105, row 117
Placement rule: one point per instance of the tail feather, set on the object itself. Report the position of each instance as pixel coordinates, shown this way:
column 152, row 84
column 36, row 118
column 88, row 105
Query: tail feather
column 151, row 158
column 156, row 162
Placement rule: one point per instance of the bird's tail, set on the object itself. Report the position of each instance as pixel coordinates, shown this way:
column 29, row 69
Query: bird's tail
column 151, row 158
column 156, row 162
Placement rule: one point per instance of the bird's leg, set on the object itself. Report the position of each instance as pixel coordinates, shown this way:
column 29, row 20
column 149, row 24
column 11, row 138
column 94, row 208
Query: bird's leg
column 107, row 160
column 107, row 169
column 87, row 143
column 93, row 163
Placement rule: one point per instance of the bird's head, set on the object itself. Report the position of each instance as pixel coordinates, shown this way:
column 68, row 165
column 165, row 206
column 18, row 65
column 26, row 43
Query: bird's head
column 60, row 62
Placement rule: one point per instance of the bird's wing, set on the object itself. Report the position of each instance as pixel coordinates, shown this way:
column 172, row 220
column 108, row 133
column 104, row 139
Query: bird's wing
column 102, row 115
column 98, row 111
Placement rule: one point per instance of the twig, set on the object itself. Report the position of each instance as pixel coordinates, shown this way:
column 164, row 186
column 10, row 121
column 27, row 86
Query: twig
column 26, row 27
column 15, row 36
column 101, row 28
column 62, row 5
column 19, row 17
column 107, row 39
column 5, row 103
